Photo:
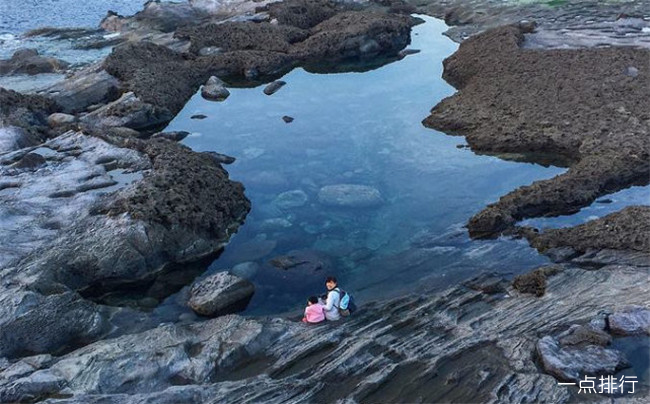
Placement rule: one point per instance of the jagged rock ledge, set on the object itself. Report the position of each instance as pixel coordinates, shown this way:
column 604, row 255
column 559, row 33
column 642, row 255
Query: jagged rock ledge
column 580, row 105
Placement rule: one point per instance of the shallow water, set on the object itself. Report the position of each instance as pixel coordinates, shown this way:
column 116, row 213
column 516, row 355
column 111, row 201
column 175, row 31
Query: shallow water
column 601, row 207
column 358, row 128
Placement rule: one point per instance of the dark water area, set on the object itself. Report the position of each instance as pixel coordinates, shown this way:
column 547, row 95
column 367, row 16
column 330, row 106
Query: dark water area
column 18, row 16
column 362, row 129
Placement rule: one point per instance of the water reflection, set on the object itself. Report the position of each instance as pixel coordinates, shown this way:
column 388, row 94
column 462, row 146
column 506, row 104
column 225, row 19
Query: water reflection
column 362, row 129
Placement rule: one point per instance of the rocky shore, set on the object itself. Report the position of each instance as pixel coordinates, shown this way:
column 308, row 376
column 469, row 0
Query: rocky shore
column 583, row 105
column 105, row 217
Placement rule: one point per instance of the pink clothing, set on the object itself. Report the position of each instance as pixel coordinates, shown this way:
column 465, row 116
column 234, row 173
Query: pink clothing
column 314, row 314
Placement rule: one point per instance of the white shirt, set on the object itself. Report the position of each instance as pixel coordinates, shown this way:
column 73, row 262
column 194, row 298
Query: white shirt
column 332, row 305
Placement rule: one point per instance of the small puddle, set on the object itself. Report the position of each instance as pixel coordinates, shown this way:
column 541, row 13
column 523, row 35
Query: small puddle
column 362, row 129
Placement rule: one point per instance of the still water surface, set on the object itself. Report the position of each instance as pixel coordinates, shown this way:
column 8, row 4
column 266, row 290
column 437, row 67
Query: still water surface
column 357, row 128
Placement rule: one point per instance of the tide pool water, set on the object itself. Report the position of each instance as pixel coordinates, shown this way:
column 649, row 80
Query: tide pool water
column 362, row 129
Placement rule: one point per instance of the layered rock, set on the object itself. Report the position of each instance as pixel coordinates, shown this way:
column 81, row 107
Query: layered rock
column 96, row 217
column 459, row 345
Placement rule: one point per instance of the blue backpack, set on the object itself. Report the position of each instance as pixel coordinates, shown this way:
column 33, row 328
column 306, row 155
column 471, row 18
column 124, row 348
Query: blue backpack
column 346, row 303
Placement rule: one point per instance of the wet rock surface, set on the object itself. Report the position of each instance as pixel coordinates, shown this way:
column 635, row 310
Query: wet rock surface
column 432, row 340
column 584, row 107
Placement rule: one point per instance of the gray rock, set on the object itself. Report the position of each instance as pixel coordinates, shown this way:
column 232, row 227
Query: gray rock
column 90, row 86
column 291, row 199
column 633, row 320
column 572, row 363
column 214, row 90
column 60, row 119
column 127, row 111
column 28, row 61
column 407, row 52
column 220, row 158
column 272, row 88
column 350, row 196
column 220, row 294
column 287, row 119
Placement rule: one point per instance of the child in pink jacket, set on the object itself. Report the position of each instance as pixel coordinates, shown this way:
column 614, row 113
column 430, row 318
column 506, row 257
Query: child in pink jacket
column 314, row 311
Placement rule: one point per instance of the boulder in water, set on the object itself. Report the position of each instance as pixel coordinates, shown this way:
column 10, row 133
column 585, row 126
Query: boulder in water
column 220, row 294
column 272, row 88
column 214, row 90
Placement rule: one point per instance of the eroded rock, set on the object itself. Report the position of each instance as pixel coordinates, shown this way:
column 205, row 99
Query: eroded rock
column 632, row 320
column 219, row 294
column 571, row 363
column 28, row 61
column 214, row 90
column 605, row 139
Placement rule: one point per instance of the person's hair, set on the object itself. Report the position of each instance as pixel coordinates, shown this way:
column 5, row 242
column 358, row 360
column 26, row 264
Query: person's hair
column 331, row 279
column 312, row 299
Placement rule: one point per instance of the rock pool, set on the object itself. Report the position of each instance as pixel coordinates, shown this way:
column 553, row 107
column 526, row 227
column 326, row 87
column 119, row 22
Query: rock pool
column 360, row 129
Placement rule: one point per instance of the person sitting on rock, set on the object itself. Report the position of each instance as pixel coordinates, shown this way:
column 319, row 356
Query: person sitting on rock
column 314, row 311
column 332, row 300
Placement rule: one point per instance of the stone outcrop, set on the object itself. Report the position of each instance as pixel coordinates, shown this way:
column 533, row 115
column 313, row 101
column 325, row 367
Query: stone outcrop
column 79, row 235
column 28, row 61
column 458, row 345
column 26, row 115
column 577, row 103
column 220, row 294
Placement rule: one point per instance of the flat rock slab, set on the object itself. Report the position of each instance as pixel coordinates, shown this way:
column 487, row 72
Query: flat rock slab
column 220, row 293
column 572, row 363
column 350, row 196
column 633, row 320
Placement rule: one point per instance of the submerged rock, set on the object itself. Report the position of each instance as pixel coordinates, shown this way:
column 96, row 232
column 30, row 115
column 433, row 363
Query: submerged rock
column 350, row 196
column 214, row 90
column 220, row 294
column 291, row 199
